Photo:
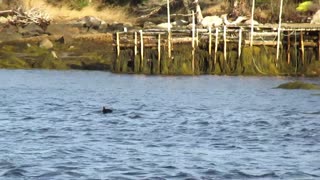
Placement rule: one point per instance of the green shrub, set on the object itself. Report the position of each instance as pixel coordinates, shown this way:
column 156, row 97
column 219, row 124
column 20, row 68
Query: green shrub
column 79, row 4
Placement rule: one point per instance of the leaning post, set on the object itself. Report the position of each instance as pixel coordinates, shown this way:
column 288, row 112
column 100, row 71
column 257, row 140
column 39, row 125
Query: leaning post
column 169, row 29
column 279, row 31
column 251, row 32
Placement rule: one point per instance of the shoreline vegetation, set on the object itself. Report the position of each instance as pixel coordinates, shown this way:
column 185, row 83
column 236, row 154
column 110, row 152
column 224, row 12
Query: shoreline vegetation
column 66, row 44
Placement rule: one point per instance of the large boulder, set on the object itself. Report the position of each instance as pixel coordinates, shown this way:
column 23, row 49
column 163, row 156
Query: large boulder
column 91, row 22
column 46, row 44
column 209, row 21
column 316, row 18
column 31, row 30
column 9, row 33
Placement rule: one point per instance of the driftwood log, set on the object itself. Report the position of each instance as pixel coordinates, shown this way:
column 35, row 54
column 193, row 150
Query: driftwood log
column 20, row 17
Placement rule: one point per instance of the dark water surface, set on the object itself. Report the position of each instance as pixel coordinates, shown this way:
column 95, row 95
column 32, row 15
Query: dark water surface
column 204, row 127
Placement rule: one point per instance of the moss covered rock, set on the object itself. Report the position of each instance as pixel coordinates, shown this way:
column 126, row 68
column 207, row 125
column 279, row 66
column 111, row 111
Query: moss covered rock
column 299, row 85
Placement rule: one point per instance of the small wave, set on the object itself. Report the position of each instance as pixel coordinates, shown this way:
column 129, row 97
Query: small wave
column 6, row 165
column 169, row 167
column 134, row 173
column 135, row 116
column 300, row 174
column 312, row 113
column 53, row 137
column 28, row 118
column 261, row 123
column 49, row 174
column 183, row 175
column 74, row 174
column 236, row 174
column 203, row 123
column 63, row 167
column 213, row 172
column 184, row 122
column 285, row 123
column 16, row 172
column 140, row 107
column 152, row 146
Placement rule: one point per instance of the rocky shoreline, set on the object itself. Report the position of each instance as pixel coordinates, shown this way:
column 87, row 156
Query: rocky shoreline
column 61, row 46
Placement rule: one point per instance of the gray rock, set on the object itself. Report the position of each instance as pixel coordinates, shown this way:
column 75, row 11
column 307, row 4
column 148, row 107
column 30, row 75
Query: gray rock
column 46, row 44
column 115, row 27
column 31, row 30
column 3, row 20
column 9, row 33
column 316, row 18
column 91, row 22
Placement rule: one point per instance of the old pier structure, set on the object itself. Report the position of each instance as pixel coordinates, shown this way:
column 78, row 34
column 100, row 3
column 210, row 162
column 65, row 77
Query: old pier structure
column 265, row 49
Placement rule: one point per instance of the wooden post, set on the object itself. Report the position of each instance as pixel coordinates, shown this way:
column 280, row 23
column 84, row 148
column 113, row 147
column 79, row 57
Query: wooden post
column 288, row 48
column 118, row 44
column 135, row 43
column 216, row 46
column 159, row 52
column 225, row 43
column 169, row 44
column 193, row 34
column 169, row 29
column 252, row 13
column 197, row 38
column 168, row 14
column 318, row 45
column 141, row 49
column 239, row 43
column 302, row 47
column 279, row 31
column 117, row 64
column 210, row 41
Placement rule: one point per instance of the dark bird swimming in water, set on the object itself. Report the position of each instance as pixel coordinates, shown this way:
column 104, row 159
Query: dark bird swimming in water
column 106, row 110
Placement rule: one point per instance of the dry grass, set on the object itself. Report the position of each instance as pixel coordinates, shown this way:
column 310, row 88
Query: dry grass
column 108, row 14
column 216, row 9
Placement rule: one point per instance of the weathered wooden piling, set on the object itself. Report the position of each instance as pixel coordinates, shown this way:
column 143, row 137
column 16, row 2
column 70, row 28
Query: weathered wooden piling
column 302, row 47
column 288, row 47
column 141, row 50
column 318, row 45
column 159, row 53
column 216, row 46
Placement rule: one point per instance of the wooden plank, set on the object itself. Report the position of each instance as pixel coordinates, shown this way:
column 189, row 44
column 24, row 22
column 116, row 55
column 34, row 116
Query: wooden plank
column 262, row 43
column 288, row 47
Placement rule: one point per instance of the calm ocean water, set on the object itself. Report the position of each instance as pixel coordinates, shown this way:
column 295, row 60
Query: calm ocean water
column 203, row 127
